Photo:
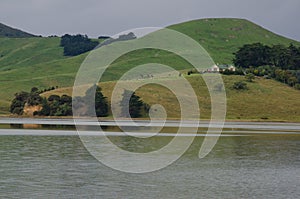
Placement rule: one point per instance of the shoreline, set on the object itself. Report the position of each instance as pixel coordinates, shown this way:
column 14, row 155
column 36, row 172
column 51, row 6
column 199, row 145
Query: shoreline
column 111, row 119
column 127, row 122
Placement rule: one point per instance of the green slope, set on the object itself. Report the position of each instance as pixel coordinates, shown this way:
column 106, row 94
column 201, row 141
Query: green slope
column 222, row 37
column 19, row 52
column 35, row 61
column 266, row 99
column 6, row 31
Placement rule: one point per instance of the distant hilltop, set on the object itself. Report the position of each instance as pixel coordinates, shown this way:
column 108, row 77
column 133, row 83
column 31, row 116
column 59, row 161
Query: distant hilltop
column 6, row 31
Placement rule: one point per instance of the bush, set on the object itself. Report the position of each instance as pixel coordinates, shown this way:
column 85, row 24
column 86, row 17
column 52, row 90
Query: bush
column 18, row 103
column 77, row 44
column 240, row 85
column 249, row 77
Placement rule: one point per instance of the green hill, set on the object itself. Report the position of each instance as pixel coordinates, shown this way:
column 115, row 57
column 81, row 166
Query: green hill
column 6, row 31
column 222, row 37
column 36, row 61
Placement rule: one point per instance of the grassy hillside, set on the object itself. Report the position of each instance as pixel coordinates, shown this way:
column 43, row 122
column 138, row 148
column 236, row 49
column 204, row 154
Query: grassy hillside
column 6, row 31
column 35, row 61
column 221, row 37
column 29, row 62
column 266, row 100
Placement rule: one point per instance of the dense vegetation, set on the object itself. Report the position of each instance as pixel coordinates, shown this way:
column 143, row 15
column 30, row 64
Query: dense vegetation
column 56, row 105
column 100, row 101
column 51, row 106
column 277, row 61
column 24, row 98
column 77, row 44
column 257, row 54
column 136, row 105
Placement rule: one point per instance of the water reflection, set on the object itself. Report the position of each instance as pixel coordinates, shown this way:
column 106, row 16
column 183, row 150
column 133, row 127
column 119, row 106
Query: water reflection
column 238, row 167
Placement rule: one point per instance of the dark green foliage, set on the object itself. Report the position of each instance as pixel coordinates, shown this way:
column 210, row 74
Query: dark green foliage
column 77, row 44
column 257, row 54
column 135, row 107
column 278, row 62
column 34, row 97
column 56, row 106
column 238, row 71
column 18, row 103
column 297, row 86
column 193, row 71
column 45, row 111
column 240, row 85
column 100, row 101
column 52, row 98
column 53, row 106
column 249, row 77
column 104, row 37
column 49, row 89
column 286, row 76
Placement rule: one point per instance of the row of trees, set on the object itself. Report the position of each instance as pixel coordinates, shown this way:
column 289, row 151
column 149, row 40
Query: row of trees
column 56, row 105
column 257, row 54
column 77, row 44
column 278, row 62
column 136, row 107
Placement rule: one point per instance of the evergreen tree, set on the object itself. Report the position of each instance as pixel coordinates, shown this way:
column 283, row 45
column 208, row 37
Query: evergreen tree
column 100, row 101
column 135, row 105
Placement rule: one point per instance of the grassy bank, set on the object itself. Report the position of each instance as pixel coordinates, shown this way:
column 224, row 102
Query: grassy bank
column 265, row 99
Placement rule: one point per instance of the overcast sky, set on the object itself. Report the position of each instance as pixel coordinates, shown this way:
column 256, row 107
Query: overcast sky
column 109, row 17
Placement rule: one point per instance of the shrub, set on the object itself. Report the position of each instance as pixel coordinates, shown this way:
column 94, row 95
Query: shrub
column 240, row 85
column 249, row 77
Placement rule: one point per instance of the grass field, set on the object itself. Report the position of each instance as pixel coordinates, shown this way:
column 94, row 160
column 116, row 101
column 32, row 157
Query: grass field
column 265, row 100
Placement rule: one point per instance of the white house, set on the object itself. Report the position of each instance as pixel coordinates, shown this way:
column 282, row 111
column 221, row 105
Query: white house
column 214, row 68
column 221, row 68
column 231, row 68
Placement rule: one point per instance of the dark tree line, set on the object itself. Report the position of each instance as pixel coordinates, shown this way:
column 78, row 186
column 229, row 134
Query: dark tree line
column 277, row 62
column 257, row 54
column 56, row 105
column 77, row 44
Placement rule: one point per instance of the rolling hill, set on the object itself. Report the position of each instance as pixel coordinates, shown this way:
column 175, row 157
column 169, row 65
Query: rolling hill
column 266, row 99
column 221, row 37
column 6, row 31
column 35, row 61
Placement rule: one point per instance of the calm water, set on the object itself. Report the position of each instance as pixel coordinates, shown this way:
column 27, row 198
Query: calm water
column 255, row 166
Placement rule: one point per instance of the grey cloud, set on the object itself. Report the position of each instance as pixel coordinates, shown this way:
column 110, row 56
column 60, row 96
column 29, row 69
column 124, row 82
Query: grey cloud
column 100, row 17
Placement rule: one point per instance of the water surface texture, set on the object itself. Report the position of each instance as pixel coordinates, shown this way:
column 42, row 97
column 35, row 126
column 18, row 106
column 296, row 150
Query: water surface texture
column 58, row 166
